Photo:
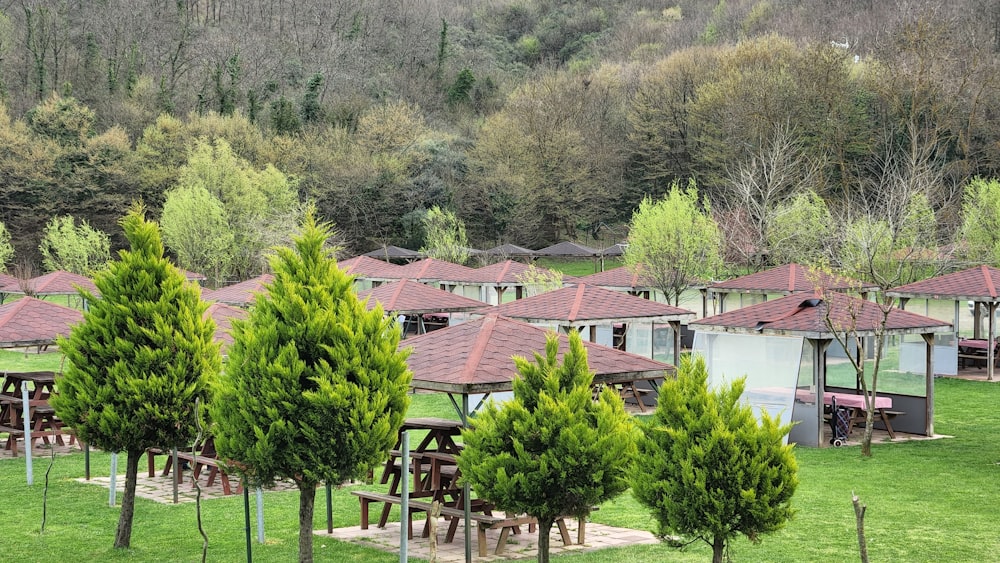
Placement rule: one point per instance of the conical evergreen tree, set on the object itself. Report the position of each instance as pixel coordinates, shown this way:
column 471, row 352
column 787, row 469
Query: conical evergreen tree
column 139, row 359
column 707, row 469
column 315, row 389
column 551, row 451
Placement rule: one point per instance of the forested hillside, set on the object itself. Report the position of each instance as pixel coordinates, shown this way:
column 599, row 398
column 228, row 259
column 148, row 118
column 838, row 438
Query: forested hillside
column 534, row 120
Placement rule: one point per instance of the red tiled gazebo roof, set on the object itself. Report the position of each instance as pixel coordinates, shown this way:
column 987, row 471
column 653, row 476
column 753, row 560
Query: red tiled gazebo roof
column 621, row 277
column 410, row 297
column 475, row 357
column 367, row 267
column 432, row 269
column 58, row 283
column 790, row 278
column 34, row 322
column 981, row 283
column 805, row 315
column 239, row 294
column 8, row 283
column 223, row 316
column 588, row 305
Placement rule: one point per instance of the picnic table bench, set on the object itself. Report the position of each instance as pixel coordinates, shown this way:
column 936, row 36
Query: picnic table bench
column 484, row 520
column 205, row 458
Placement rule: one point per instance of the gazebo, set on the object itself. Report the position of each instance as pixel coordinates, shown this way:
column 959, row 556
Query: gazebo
column 442, row 273
column 369, row 271
column 239, row 294
column 34, row 322
column 414, row 300
column 390, row 253
column 58, row 282
column 509, row 251
column 621, row 278
column 496, row 279
column 628, row 322
column 979, row 285
column 781, row 346
column 474, row 358
column 783, row 280
column 8, row 284
column 567, row 249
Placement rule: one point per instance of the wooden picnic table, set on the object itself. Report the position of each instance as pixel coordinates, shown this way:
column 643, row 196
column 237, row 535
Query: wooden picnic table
column 976, row 350
column 43, row 421
column 630, row 388
column 857, row 406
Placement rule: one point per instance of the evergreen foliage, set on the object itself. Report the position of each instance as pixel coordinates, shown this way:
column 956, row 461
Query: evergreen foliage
column 139, row 359
column 315, row 388
column 551, row 451
column 80, row 249
column 707, row 469
column 674, row 241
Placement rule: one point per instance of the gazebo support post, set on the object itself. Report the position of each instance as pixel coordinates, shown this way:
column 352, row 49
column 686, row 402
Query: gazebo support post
column 929, row 392
column 704, row 302
column 676, row 327
column 990, row 353
column 820, row 346
column 467, row 490
column 977, row 315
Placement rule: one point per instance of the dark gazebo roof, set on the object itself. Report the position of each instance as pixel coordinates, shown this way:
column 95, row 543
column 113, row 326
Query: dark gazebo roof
column 805, row 315
column 192, row 276
column 475, row 356
column 239, row 294
column 223, row 316
column 568, row 249
column 790, row 278
column 391, row 252
column 507, row 273
column 509, row 251
column 58, row 282
column 410, row 297
column 588, row 305
column 974, row 284
column 34, row 322
column 617, row 249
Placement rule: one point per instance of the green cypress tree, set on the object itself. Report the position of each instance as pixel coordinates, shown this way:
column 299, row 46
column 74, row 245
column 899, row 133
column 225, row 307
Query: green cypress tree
column 707, row 469
column 315, row 389
column 551, row 451
column 139, row 359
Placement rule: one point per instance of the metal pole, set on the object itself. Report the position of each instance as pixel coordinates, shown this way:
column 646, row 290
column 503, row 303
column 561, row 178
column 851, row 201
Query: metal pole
column 329, row 509
column 177, row 471
column 404, row 505
column 112, row 493
column 86, row 461
column 26, row 414
column 260, row 516
column 246, row 520
column 467, row 490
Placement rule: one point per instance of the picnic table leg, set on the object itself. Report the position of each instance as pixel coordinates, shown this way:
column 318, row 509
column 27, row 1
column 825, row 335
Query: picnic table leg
column 581, row 532
column 364, row 513
column 564, row 532
column 502, row 542
column 481, row 539
column 888, row 425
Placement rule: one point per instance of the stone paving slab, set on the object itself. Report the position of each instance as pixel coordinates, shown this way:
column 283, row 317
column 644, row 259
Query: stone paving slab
column 161, row 489
column 519, row 546
column 41, row 449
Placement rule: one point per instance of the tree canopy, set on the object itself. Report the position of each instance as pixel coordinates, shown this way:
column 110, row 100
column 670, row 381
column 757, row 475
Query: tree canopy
column 80, row 249
column 707, row 469
column 674, row 241
column 315, row 389
column 551, row 451
column 139, row 360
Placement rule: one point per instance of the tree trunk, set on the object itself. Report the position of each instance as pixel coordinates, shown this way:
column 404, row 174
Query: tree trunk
column 866, row 442
column 307, row 500
column 718, row 549
column 859, row 515
column 123, row 537
column 544, row 529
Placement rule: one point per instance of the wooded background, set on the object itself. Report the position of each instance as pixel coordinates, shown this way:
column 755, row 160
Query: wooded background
column 535, row 120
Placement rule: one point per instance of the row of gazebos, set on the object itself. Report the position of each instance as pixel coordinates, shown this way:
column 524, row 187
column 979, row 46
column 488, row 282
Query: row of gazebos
column 471, row 358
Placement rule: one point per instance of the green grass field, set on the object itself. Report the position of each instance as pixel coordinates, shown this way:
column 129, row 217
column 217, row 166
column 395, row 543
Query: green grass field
column 927, row 501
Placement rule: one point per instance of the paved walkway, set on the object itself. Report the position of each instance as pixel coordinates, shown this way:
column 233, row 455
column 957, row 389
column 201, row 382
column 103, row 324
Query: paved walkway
column 161, row 489
column 519, row 546
column 41, row 449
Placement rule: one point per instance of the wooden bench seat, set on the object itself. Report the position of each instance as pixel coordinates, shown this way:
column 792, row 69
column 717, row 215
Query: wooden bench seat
column 198, row 463
column 484, row 521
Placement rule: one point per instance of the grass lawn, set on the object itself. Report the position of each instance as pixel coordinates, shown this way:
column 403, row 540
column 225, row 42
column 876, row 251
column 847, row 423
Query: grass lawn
column 574, row 267
column 927, row 501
